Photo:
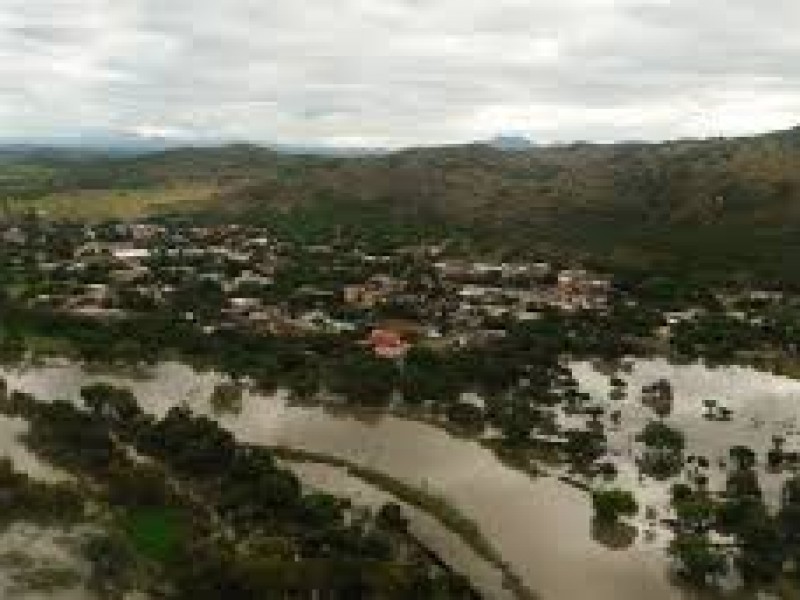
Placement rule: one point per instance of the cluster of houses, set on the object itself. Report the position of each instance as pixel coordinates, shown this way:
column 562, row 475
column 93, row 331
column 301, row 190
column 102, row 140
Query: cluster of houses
column 242, row 277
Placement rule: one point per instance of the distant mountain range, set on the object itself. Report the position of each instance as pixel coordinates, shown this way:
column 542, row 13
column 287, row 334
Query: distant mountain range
column 129, row 144
column 718, row 207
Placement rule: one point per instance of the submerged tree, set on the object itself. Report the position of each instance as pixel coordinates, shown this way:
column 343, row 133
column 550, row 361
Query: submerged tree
column 610, row 505
column 226, row 398
column 663, row 456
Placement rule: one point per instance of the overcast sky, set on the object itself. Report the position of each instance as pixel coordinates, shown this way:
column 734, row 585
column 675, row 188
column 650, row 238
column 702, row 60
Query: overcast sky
column 398, row 72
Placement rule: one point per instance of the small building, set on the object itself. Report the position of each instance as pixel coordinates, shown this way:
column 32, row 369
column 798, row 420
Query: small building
column 387, row 344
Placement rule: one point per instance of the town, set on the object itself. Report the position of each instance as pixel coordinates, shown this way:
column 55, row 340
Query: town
column 230, row 277
column 234, row 277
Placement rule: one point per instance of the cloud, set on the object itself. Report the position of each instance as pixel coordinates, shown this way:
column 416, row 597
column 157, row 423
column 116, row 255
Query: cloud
column 398, row 72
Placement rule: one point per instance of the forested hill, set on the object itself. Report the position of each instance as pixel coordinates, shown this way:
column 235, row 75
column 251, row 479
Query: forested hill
column 722, row 206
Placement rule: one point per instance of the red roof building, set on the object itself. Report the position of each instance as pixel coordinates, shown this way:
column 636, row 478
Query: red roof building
column 387, row 344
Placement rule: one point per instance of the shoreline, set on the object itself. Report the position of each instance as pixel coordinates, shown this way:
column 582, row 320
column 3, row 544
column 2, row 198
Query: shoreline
column 439, row 508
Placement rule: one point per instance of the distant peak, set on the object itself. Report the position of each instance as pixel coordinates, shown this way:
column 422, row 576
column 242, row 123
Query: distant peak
column 510, row 142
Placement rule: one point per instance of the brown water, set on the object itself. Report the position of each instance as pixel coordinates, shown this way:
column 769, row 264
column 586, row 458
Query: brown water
column 485, row 577
column 763, row 405
column 542, row 527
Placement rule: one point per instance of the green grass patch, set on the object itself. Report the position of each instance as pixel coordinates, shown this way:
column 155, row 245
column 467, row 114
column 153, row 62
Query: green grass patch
column 100, row 205
column 49, row 346
column 155, row 533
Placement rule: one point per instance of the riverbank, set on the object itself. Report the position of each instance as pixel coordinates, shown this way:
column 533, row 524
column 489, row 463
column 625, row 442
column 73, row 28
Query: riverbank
column 447, row 514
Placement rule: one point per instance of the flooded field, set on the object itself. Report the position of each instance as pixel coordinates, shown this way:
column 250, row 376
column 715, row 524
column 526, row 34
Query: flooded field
column 43, row 563
column 541, row 527
column 762, row 404
column 24, row 461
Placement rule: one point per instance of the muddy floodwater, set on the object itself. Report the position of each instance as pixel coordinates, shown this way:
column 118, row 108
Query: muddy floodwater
column 541, row 527
column 763, row 404
column 32, row 557
column 485, row 577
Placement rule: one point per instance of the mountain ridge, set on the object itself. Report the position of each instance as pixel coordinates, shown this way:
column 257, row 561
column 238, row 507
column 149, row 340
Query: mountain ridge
column 721, row 205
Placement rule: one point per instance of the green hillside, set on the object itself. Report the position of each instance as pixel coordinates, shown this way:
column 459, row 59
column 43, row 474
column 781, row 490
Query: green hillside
column 720, row 207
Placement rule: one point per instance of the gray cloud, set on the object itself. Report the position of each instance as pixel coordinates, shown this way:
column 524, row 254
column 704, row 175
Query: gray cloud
column 398, row 72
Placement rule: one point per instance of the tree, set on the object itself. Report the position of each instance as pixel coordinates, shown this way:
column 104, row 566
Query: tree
column 663, row 456
column 743, row 457
column 743, row 484
column 698, row 561
column 790, row 495
column 466, row 415
column 390, row 516
column 595, row 412
column 761, row 556
column 609, row 505
column 710, row 405
column 660, row 436
column 110, row 402
column 775, row 456
column 363, row 379
column 112, row 563
column 695, row 514
column 681, row 492
column 737, row 513
column 428, row 376
column 584, row 447
column 226, row 398
column 617, row 382
column 516, row 422
column 304, row 384
column 320, row 509
column 789, row 515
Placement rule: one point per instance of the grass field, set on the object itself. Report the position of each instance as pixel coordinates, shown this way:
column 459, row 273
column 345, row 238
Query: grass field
column 98, row 205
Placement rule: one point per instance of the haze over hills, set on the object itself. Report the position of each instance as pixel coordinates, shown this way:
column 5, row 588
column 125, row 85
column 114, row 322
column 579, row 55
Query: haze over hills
column 719, row 206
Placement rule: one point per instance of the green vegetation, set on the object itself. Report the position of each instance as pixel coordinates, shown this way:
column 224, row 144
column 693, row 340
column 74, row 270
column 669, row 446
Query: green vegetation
column 700, row 562
column 155, row 533
column 101, row 205
column 610, row 505
column 664, row 446
column 226, row 398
